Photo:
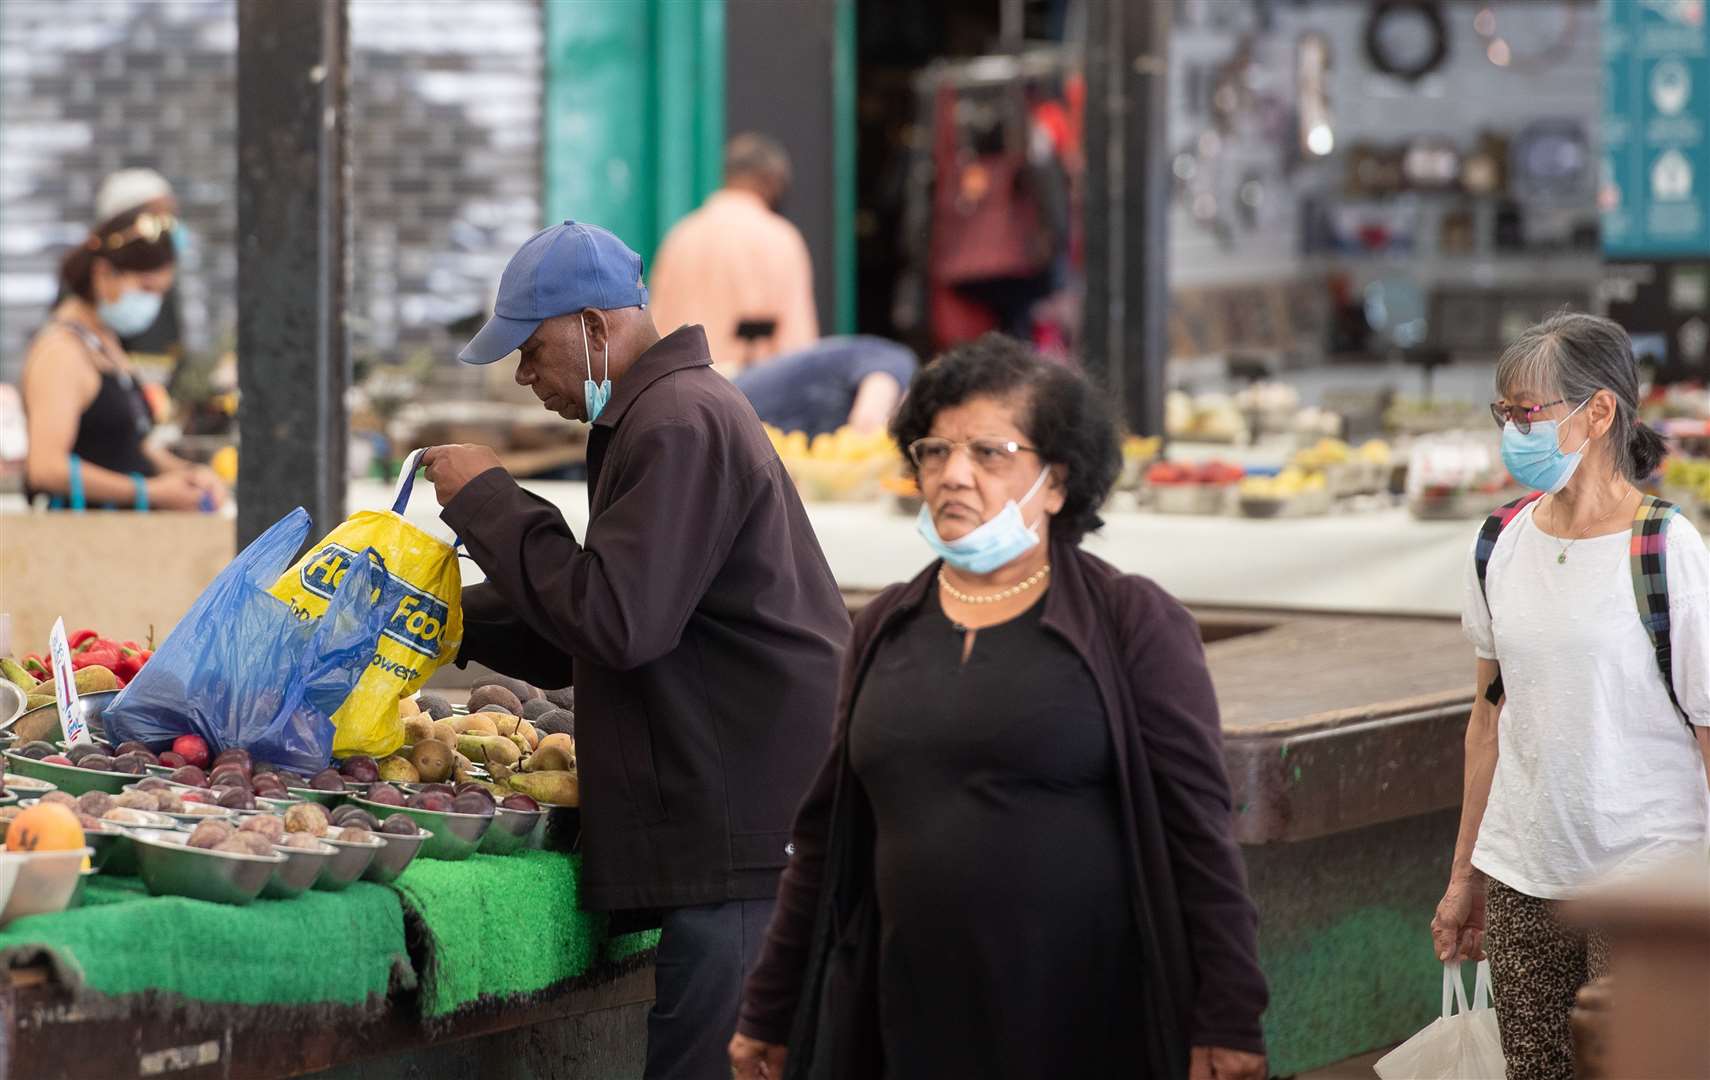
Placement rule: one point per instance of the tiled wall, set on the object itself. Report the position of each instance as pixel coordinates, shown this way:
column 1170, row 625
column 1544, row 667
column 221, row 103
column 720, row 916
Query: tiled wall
column 445, row 124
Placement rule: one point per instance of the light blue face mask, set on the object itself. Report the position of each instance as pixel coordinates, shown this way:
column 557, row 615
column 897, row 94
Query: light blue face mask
column 993, row 543
column 132, row 313
column 1536, row 458
column 596, row 394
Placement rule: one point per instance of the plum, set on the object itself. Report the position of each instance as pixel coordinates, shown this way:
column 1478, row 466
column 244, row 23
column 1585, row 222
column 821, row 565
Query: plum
column 267, row 825
column 176, row 761
column 263, row 768
column 431, row 800
column 233, row 754
column 170, row 803
column 134, row 764
column 327, row 780
column 236, row 798
column 307, row 817
column 385, row 794
column 258, row 843
column 519, row 801
column 443, row 789
column 305, row 840
column 356, row 834
column 237, row 845
column 209, row 833
column 473, row 802
column 152, row 783
column 269, row 784
column 350, row 814
column 98, row 762
column 399, row 825
column 63, row 798
column 127, row 815
column 189, row 776
column 94, row 802
column 56, row 759
column 361, row 768
column 138, row 800
column 81, row 751
column 38, row 749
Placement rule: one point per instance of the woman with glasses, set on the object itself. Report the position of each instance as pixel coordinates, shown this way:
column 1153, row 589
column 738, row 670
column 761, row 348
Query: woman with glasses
column 1587, row 747
column 88, row 420
column 1017, row 860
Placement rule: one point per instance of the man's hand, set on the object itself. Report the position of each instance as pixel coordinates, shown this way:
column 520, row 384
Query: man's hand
column 1216, row 1063
column 451, row 467
column 751, row 1059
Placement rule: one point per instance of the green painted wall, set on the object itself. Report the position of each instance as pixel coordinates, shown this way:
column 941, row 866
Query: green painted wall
column 634, row 112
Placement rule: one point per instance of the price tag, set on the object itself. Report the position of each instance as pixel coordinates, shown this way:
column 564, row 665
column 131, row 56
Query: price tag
column 65, row 687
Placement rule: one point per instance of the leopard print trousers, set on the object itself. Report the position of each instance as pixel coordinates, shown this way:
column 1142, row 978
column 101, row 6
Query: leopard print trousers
column 1537, row 965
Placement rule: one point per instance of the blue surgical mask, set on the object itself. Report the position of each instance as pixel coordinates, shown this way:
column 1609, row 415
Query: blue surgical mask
column 132, row 313
column 993, row 543
column 1536, row 458
column 597, row 394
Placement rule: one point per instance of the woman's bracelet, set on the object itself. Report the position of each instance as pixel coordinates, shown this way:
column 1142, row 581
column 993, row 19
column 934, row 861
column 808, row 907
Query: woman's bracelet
column 141, row 482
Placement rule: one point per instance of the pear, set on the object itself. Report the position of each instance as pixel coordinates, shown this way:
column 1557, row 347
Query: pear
column 476, row 724
column 398, row 770
column 433, row 760
column 558, row 788
column 551, row 759
column 407, row 708
column 418, row 729
column 445, row 732
column 473, row 747
column 502, row 751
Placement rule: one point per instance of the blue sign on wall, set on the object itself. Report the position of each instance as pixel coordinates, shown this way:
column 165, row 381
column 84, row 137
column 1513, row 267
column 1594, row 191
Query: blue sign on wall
column 1655, row 191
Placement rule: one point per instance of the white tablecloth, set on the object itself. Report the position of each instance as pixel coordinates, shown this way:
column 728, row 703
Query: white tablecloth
column 1371, row 562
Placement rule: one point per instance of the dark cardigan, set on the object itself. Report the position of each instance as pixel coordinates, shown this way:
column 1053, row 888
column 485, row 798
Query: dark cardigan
column 1199, row 927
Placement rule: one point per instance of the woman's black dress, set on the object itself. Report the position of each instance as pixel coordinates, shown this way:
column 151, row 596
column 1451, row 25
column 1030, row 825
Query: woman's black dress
column 1008, row 944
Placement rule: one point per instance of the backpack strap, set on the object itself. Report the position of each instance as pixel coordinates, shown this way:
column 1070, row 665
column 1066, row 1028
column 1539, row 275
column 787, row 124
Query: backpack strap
column 1493, row 526
column 1649, row 557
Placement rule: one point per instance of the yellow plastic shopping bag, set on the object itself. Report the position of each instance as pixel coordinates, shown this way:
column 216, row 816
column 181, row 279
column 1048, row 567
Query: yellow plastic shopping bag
column 425, row 628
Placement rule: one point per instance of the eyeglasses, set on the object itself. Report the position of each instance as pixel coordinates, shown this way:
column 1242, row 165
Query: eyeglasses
column 989, row 455
column 150, row 227
column 1522, row 415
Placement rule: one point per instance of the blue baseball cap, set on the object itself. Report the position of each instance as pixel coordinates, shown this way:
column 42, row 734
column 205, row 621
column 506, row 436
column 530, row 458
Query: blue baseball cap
column 559, row 271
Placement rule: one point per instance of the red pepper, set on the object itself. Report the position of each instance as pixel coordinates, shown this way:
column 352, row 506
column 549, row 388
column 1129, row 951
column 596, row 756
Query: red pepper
column 105, row 657
column 37, row 666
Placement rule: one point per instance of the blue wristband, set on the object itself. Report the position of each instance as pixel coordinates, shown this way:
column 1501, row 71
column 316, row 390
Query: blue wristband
column 142, row 490
column 74, row 494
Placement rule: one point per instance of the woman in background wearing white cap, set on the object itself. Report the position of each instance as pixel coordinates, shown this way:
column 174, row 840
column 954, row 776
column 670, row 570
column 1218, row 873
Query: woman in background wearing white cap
column 88, row 420
column 144, row 189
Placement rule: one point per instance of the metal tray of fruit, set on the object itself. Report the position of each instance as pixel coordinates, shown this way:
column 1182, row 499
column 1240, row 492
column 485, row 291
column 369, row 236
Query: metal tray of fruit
column 68, row 778
column 454, row 836
column 170, row 867
column 297, row 874
column 352, row 861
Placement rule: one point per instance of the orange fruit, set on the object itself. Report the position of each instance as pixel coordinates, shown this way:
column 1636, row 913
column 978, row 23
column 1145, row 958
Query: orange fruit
column 45, row 827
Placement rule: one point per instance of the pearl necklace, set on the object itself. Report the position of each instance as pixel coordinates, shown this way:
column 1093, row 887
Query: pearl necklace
column 992, row 598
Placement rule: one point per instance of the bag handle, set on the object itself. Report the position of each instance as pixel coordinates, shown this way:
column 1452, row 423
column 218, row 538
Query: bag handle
column 406, row 480
column 1454, row 990
column 1481, row 987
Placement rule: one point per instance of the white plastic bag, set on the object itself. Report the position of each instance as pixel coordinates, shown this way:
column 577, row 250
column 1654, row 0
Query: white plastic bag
column 1462, row 1044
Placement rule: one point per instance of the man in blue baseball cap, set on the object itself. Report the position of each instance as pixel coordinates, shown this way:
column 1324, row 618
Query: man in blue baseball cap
column 696, row 618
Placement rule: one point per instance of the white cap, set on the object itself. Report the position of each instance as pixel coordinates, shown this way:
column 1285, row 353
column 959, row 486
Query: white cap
column 128, row 189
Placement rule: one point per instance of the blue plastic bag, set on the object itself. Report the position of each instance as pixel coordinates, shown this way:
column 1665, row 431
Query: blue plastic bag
column 241, row 670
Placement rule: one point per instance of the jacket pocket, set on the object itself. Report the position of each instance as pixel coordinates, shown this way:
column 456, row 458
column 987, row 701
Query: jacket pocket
column 759, row 851
column 641, row 779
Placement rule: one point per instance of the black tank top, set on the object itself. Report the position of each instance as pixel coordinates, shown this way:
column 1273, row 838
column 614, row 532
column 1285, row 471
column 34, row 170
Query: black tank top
column 112, row 429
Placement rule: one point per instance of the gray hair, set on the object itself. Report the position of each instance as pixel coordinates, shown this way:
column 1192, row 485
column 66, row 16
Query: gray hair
column 1570, row 357
column 754, row 154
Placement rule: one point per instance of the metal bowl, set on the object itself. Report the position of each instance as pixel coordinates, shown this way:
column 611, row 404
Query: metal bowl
column 513, row 830
column 455, row 836
column 298, row 873
column 115, row 853
column 34, row 787
column 12, row 702
column 68, row 778
column 170, row 867
column 162, row 822
column 399, row 853
column 42, row 722
column 349, row 864
column 328, row 799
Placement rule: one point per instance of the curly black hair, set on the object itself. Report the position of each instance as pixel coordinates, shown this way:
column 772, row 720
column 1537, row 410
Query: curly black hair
column 1066, row 418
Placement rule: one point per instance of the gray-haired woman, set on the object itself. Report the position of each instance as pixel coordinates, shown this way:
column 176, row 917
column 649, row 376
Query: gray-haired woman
column 1588, row 743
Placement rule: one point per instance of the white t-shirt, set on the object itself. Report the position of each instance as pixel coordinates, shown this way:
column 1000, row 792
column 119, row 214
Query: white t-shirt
column 1596, row 775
